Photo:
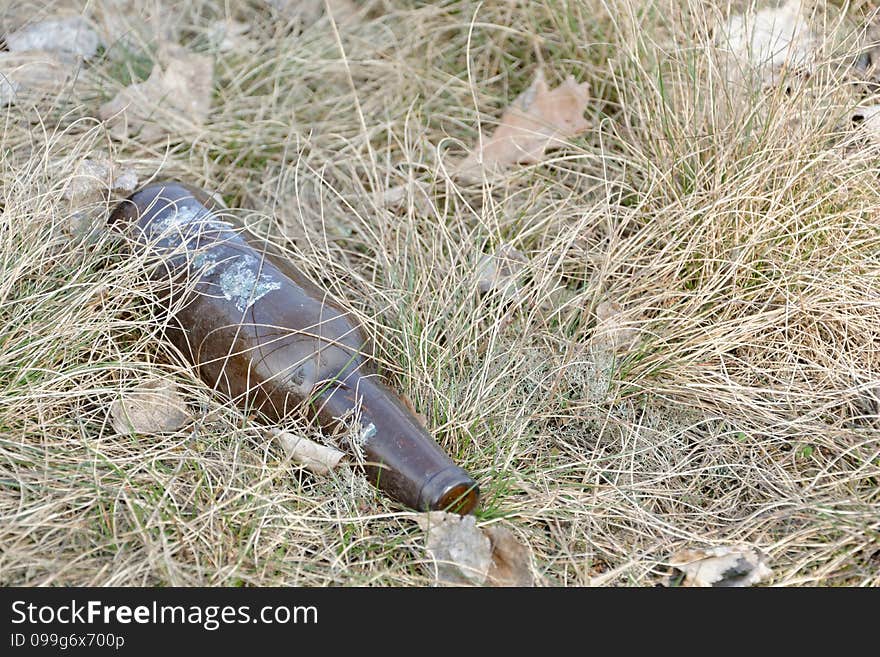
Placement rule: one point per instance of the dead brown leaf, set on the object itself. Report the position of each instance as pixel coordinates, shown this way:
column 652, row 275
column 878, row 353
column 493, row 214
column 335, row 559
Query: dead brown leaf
column 154, row 406
column 867, row 119
column 32, row 75
column 70, row 38
column 510, row 559
column 96, row 181
column 500, row 272
column 412, row 409
column 125, row 25
column 460, row 552
column 738, row 565
column 416, row 193
column 175, row 99
column 309, row 11
column 464, row 554
column 98, row 176
column 230, row 34
column 615, row 331
column 316, row 458
column 769, row 42
column 538, row 120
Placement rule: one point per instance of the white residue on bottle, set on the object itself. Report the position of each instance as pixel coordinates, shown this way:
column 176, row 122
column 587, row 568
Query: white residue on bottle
column 187, row 220
column 243, row 284
column 368, row 432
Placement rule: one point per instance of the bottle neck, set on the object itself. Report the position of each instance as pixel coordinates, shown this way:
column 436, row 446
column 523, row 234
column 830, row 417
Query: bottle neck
column 402, row 457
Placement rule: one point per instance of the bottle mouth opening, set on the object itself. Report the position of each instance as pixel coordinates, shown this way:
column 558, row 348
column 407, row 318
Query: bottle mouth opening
column 461, row 499
column 450, row 490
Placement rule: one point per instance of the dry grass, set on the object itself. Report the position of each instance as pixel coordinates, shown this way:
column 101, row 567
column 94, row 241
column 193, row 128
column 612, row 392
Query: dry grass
column 739, row 230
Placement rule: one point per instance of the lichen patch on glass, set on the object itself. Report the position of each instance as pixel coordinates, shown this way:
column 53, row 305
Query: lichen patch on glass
column 186, row 222
column 240, row 278
column 242, row 282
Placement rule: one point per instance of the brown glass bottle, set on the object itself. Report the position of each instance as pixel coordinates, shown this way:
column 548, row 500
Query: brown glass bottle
column 260, row 332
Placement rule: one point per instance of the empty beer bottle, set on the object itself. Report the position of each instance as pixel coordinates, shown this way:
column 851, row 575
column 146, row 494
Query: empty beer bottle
column 260, row 332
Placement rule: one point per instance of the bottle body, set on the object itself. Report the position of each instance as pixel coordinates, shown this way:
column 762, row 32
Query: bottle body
column 261, row 333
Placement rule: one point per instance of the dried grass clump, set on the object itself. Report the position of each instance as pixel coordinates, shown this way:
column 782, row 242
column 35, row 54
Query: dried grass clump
column 734, row 228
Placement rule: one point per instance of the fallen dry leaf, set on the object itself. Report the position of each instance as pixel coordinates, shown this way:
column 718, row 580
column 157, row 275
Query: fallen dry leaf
column 866, row 408
column 500, row 272
column 738, row 565
column 229, row 35
column 96, row 181
column 98, row 297
column 867, row 118
column 614, row 331
column 96, row 177
column 152, row 407
column 510, row 559
column 125, row 181
column 175, row 99
column 464, row 554
column 414, row 192
column 32, row 75
column 866, row 68
column 125, row 25
column 769, row 42
column 318, row 459
column 309, row 11
column 460, row 552
column 412, row 409
column 8, row 89
column 70, row 37
column 538, row 120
